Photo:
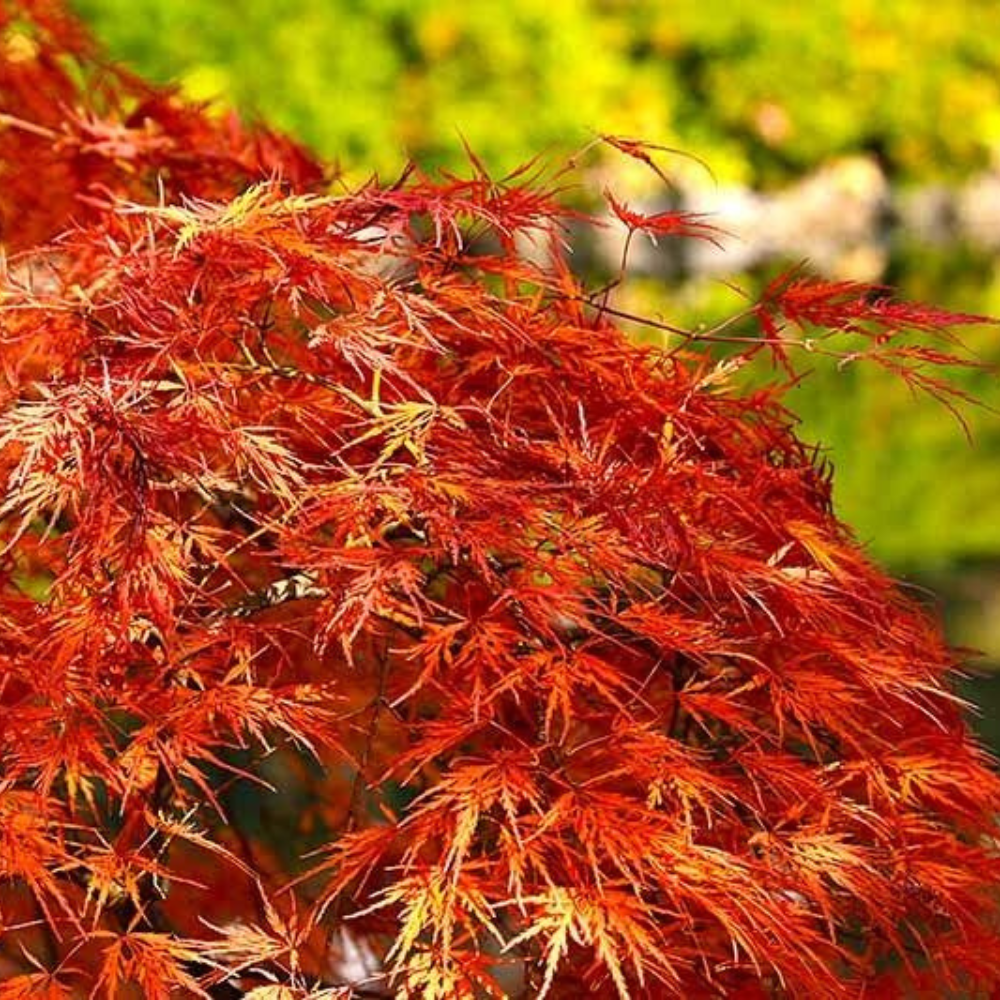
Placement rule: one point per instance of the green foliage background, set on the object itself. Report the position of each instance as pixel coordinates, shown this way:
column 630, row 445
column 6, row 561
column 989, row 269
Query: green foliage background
column 763, row 92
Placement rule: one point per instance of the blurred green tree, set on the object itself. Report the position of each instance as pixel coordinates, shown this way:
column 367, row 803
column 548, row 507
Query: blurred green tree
column 762, row 92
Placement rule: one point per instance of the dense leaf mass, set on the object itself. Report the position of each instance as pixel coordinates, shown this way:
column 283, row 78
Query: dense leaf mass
column 76, row 133
column 585, row 689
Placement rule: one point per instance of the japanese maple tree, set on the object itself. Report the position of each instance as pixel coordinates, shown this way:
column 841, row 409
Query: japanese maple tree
column 553, row 641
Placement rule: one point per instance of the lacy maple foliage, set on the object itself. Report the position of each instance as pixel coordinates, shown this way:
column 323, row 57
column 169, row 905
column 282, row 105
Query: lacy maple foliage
column 76, row 133
column 554, row 641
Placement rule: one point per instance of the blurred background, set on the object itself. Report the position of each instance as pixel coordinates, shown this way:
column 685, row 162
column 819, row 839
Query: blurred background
column 862, row 135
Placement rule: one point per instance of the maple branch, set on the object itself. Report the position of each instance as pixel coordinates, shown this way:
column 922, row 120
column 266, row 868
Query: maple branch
column 298, row 586
column 32, row 128
column 377, row 704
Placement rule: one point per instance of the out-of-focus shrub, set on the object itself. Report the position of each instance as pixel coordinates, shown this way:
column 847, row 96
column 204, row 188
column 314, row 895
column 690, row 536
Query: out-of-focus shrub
column 762, row 91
